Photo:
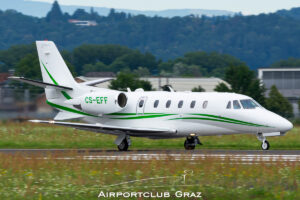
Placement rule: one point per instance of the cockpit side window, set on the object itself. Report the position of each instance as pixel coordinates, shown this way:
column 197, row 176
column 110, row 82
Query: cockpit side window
column 236, row 104
column 258, row 105
column 248, row 104
column 228, row 105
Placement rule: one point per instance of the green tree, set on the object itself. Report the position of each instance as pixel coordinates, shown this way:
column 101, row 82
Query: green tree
column 290, row 62
column 10, row 57
column 55, row 13
column 209, row 64
column 142, row 71
column 98, row 67
column 243, row 81
column 129, row 80
column 29, row 67
column 182, row 69
column 222, row 87
column 198, row 89
column 278, row 103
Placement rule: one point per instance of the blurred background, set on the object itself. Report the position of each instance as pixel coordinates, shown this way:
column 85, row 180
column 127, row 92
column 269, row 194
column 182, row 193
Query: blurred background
column 189, row 49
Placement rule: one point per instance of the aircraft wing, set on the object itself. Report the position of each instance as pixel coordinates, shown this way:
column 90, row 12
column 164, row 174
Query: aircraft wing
column 38, row 83
column 95, row 82
column 110, row 129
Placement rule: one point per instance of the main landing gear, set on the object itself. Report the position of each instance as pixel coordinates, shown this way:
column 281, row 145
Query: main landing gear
column 123, row 142
column 265, row 145
column 191, row 142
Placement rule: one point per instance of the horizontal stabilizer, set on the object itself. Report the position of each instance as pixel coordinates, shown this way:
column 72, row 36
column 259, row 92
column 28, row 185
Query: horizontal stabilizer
column 66, row 115
column 95, row 82
column 38, row 83
column 101, row 127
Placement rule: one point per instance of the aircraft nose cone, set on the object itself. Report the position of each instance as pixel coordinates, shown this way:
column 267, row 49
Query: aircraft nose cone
column 285, row 125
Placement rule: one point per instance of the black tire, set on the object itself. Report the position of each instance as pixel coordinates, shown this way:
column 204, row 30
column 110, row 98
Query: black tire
column 123, row 146
column 188, row 146
column 265, row 146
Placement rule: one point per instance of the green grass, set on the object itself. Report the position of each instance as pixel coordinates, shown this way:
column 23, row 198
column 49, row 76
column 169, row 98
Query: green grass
column 53, row 178
column 48, row 177
column 30, row 135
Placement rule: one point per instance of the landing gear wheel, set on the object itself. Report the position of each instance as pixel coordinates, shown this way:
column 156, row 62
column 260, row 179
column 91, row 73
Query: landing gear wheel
column 188, row 145
column 123, row 146
column 265, row 145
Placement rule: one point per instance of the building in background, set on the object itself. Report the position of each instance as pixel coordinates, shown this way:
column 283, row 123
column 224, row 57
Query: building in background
column 7, row 98
column 287, row 81
column 178, row 84
column 21, row 103
column 83, row 22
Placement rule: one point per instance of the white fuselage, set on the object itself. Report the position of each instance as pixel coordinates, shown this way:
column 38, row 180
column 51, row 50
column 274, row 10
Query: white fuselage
column 208, row 116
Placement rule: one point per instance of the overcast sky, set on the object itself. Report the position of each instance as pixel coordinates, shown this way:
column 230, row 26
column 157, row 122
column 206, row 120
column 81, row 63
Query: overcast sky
column 245, row 6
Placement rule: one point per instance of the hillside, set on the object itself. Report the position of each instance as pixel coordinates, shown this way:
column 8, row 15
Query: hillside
column 257, row 40
column 40, row 9
column 293, row 13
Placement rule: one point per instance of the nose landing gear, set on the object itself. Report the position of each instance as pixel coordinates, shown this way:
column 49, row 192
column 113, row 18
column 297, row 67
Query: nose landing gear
column 265, row 145
column 191, row 142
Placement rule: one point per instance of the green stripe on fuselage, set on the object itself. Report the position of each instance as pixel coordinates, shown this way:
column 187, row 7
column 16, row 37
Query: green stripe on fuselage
column 205, row 117
column 69, row 109
column 217, row 120
column 144, row 116
column 229, row 119
column 126, row 114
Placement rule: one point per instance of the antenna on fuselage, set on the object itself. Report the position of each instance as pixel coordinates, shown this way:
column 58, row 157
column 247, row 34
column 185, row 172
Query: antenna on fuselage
column 167, row 88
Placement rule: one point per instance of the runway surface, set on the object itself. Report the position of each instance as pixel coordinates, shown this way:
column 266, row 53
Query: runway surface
column 142, row 155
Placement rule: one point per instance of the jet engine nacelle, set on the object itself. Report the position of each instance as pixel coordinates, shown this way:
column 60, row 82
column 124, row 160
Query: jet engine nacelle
column 103, row 102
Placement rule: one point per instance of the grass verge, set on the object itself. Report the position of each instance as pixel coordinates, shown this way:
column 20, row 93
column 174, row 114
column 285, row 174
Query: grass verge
column 29, row 135
column 51, row 177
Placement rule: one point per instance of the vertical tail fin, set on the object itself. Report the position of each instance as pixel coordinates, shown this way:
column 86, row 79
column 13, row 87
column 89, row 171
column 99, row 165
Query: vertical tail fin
column 54, row 69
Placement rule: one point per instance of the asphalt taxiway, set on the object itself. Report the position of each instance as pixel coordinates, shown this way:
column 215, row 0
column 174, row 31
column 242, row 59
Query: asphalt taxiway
column 141, row 155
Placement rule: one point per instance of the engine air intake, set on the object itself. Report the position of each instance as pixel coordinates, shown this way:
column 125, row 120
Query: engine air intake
column 122, row 100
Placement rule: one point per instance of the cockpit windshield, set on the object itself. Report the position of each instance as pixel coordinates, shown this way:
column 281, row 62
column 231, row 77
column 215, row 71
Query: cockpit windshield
column 248, row 104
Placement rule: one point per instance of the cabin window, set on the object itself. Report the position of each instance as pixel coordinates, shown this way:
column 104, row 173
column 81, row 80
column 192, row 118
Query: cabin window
column 248, row 104
column 168, row 104
column 193, row 103
column 236, row 104
column 156, row 103
column 141, row 103
column 180, row 103
column 204, row 105
column 228, row 105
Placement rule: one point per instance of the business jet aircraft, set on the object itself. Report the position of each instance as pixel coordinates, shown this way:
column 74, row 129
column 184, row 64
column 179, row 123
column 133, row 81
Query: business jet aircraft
column 155, row 115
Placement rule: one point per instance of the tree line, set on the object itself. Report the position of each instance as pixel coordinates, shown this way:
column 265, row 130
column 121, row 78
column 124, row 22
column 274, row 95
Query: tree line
column 115, row 58
column 258, row 40
column 130, row 64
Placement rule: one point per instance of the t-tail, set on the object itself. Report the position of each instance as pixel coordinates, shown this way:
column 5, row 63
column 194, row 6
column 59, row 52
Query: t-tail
column 62, row 91
column 54, row 71
column 58, row 81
